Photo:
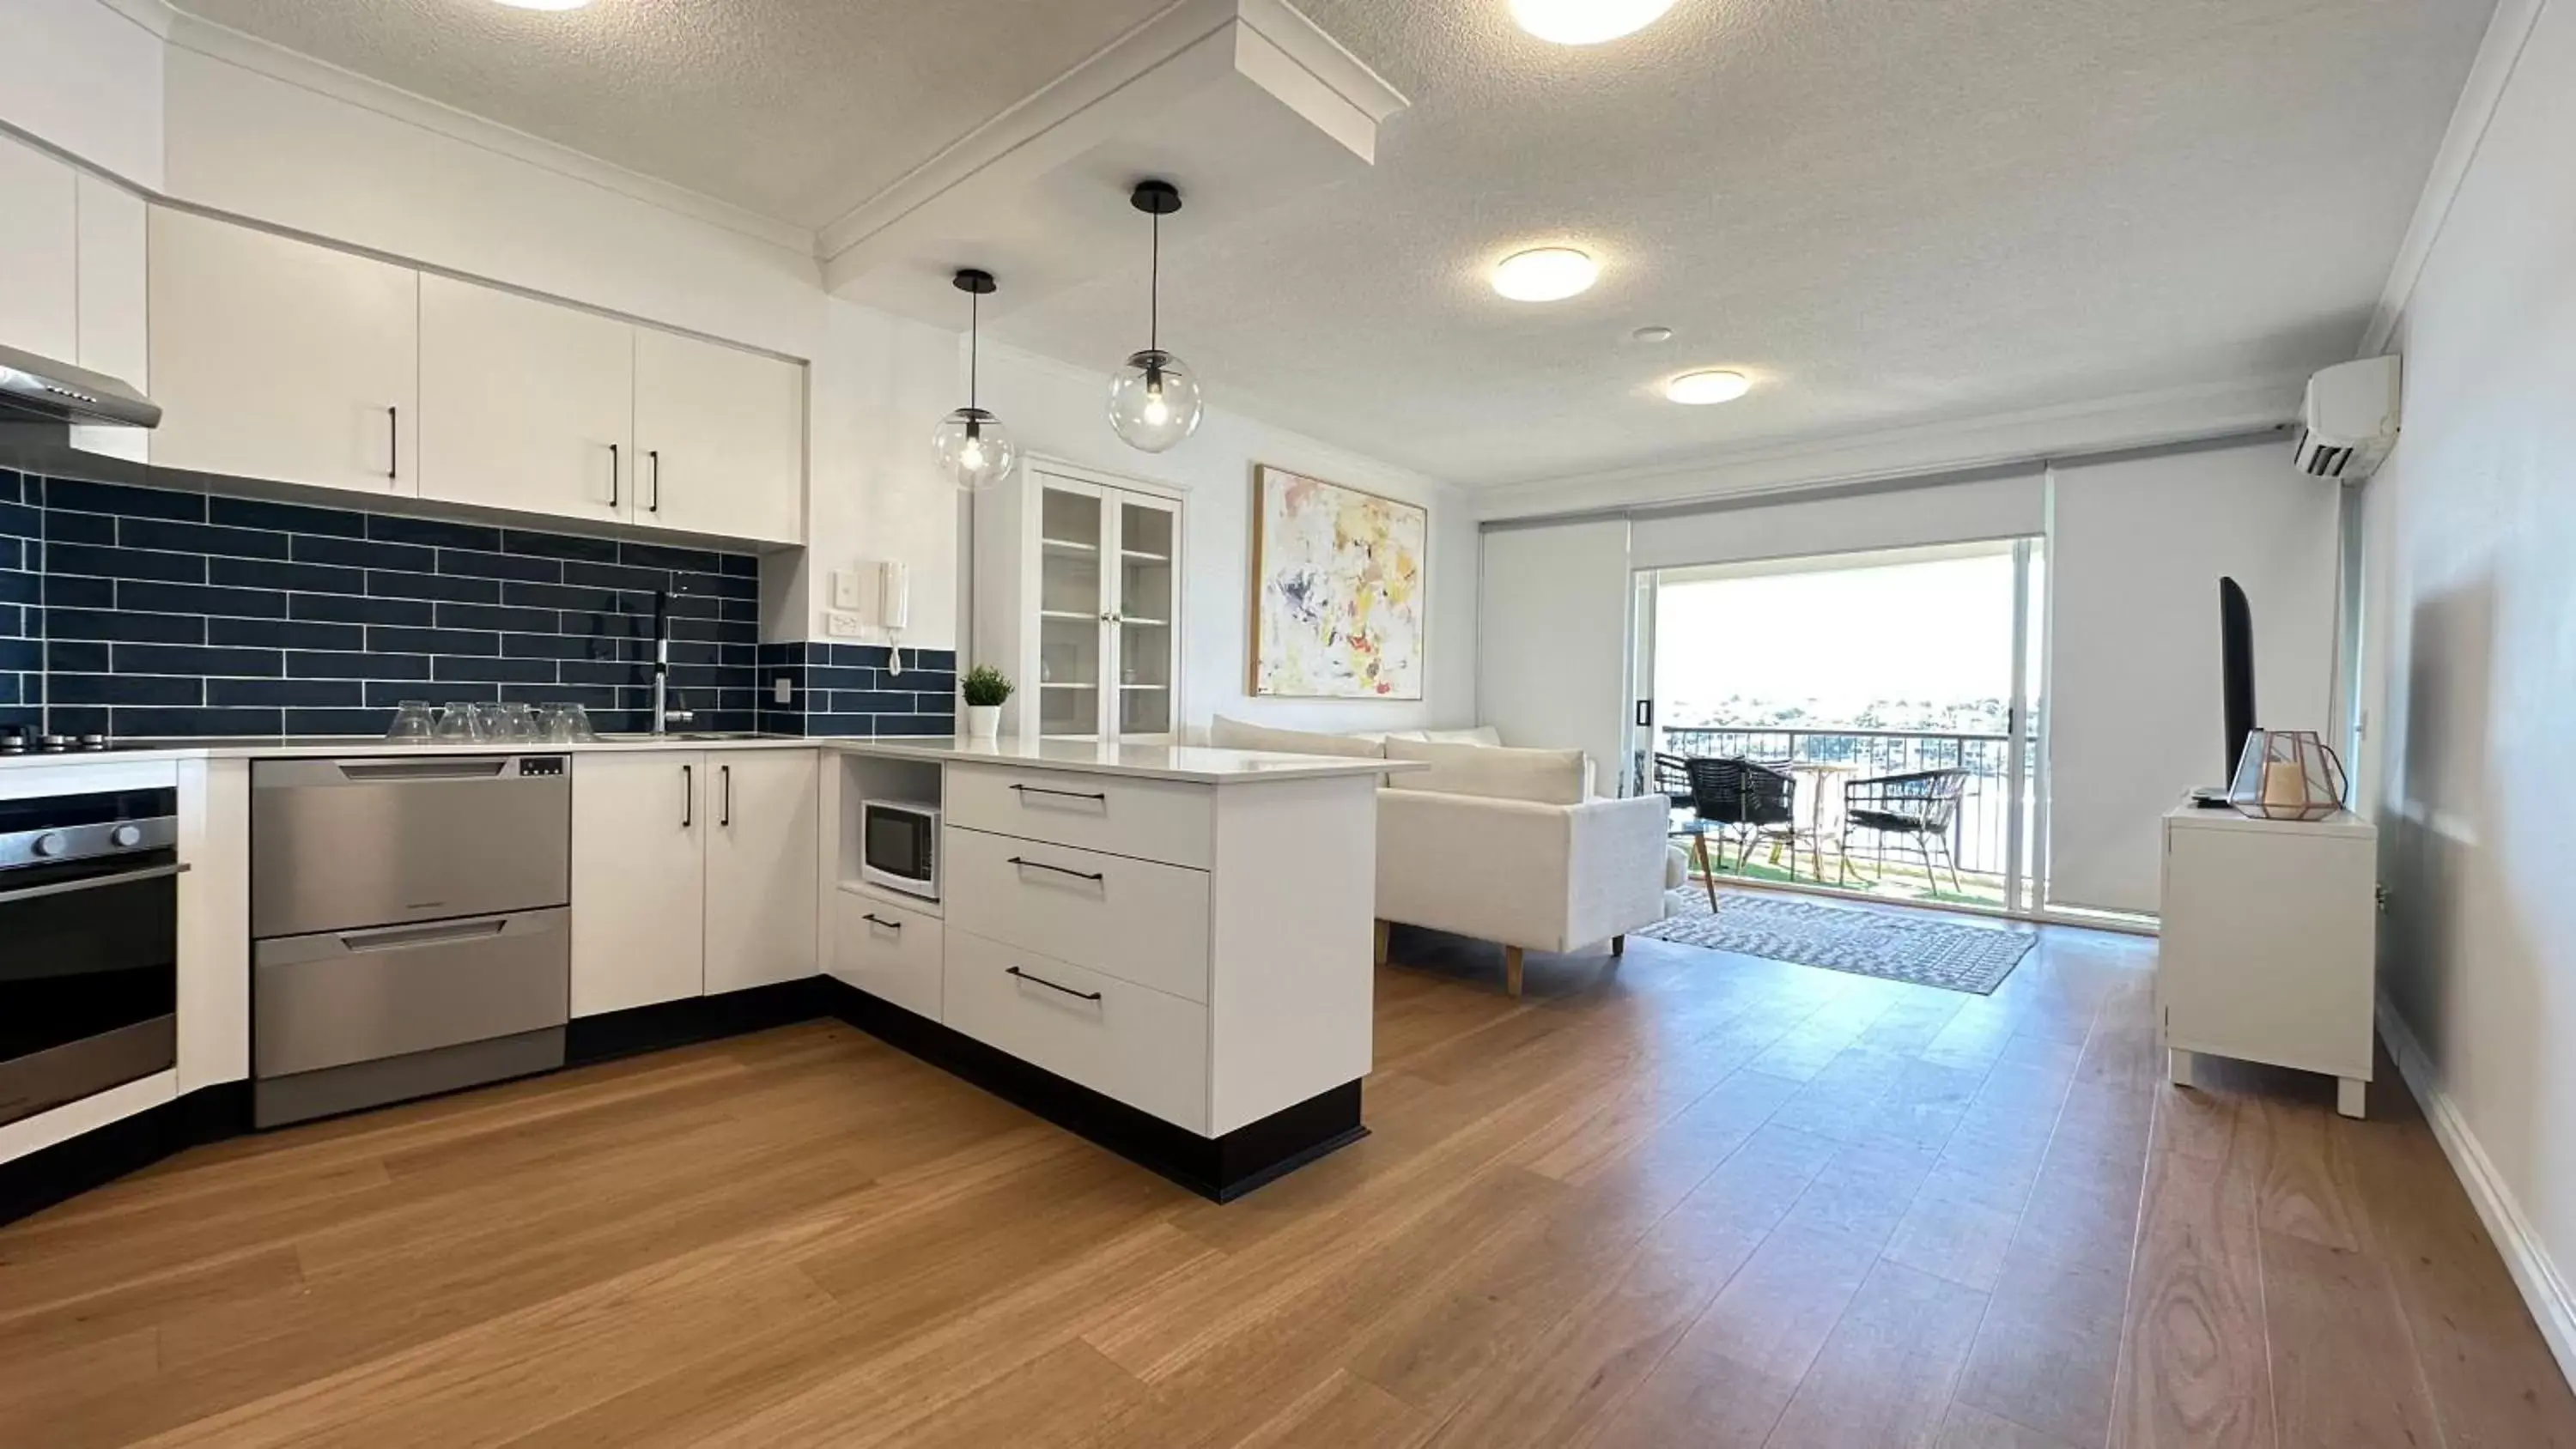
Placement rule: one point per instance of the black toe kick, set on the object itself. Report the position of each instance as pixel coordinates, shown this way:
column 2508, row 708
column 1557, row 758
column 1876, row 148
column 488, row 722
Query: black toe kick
column 1221, row 1168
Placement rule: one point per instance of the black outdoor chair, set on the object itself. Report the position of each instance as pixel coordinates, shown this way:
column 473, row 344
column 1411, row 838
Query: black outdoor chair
column 1672, row 779
column 1920, row 807
column 1743, row 800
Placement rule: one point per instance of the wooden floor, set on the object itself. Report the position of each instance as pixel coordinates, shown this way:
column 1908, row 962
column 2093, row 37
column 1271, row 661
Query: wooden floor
column 1698, row 1200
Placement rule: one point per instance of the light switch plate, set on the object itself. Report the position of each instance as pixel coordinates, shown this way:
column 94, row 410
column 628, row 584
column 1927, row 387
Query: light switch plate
column 843, row 626
column 783, row 690
column 845, row 588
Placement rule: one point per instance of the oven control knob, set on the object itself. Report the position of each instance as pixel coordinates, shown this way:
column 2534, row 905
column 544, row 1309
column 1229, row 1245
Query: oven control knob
column 126, row 836
column 47, row 845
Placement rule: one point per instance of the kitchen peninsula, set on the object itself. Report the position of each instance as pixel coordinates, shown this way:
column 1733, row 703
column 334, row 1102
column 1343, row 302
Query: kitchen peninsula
column 1165, row 948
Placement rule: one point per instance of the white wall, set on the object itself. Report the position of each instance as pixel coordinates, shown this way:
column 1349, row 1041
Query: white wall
column 2135, row 555
column 1062, row 411
column 2471, row 620
column 1552, row 640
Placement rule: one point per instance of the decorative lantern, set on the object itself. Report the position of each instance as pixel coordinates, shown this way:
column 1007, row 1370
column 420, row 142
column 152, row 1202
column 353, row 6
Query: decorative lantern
column 2287, row 775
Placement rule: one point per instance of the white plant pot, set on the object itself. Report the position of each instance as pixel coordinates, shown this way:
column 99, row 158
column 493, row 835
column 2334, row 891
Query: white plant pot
column 983, row 721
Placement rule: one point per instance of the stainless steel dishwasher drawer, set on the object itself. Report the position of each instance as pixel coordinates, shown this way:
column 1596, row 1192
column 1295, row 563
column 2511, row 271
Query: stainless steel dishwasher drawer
column 337, row 845
column 352, row 996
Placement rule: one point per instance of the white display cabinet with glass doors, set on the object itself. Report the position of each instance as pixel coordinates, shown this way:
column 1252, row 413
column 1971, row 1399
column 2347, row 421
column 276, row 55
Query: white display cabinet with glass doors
column 1078, row 599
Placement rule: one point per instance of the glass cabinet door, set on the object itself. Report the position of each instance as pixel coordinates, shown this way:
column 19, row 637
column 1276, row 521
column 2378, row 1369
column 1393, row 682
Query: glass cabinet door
column 1146, row 616
column 1073, row 610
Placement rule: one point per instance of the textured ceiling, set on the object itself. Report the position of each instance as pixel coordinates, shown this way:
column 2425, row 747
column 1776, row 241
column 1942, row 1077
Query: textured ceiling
column 796, row 109
column 1889, row 212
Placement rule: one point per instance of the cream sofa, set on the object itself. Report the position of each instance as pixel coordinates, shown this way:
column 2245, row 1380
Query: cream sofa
column 1504, row 845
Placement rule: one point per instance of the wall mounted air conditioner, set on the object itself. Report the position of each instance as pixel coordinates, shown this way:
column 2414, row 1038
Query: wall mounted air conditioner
column 2350, row 420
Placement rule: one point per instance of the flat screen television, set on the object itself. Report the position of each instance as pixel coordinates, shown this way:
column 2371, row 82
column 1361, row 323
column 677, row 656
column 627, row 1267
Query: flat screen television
column 2235, row 677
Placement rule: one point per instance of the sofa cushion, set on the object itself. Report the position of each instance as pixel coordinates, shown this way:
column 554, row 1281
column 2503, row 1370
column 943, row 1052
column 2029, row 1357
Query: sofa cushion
column 1235, row 734
column 1545, row 777
column 1485, row 735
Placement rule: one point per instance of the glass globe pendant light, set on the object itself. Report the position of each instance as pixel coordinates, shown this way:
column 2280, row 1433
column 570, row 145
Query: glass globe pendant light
column 974, row 449
column 1154, row 400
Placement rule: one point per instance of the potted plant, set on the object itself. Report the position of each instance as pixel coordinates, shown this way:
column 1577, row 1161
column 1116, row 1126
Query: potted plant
column 986, row 690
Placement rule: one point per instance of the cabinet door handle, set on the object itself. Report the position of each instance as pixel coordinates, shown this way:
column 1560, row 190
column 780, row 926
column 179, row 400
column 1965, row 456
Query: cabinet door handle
column 654, row 457
column 1051, row 986
column 1092, row 876
column 612, row 475
column 688, row 796
column 873, row 919
column 393, row 442
column 1066, row 794
column 724, row 814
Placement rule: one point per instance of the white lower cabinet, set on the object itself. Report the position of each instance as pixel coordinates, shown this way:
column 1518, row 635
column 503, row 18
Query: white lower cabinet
column 1138, row 920
column 888, row 952
column 693, row 873
column 1140, row 1046
column 639, row 831
column 762, row 865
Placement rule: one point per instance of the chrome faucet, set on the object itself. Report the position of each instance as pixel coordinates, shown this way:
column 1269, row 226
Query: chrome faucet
column 664, row 716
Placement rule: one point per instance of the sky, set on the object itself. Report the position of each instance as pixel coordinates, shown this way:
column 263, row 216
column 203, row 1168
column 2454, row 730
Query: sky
column 1837, row 640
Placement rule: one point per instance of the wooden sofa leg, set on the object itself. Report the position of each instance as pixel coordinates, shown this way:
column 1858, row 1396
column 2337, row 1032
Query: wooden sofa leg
column 1384, row 929
column 1512, row 970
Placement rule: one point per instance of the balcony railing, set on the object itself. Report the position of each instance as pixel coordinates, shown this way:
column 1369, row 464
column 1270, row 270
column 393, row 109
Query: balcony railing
column 1980, row 835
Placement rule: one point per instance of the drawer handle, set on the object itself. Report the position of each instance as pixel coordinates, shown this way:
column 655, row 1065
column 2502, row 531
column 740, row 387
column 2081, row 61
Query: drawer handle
column 873, row 919
column 1066, row 794
column 1093, row 876
column 1051, row 986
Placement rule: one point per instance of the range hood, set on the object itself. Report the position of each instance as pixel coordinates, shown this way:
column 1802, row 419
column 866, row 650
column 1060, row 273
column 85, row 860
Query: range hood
column 40, row 387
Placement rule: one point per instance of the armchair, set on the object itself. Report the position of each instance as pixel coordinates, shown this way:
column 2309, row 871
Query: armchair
column 1919, row 807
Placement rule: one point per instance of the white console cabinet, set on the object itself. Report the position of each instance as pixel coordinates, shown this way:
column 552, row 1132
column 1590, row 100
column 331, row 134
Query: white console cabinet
column 2268, row 949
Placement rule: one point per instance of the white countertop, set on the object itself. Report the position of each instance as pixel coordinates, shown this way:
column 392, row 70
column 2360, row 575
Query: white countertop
column 307, row 747
column 1155, row 762
column 1193, row 763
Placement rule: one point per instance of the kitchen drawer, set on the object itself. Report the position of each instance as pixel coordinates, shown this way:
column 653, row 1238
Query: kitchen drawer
column 335, row 998
column 888, row 952
column 1138, row 1045
column 1163, row 820
column 1138, row 920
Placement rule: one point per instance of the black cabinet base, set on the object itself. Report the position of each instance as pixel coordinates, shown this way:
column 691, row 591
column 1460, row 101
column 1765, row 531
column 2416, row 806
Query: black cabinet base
column 1222, row 1168
column 67, row 1169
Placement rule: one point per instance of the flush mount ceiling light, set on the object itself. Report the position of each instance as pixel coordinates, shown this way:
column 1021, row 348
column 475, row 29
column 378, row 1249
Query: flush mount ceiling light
column 1547, row 274
column 975, row 451
column 1154, row 400
column 1586, row 22
column 1717, row 385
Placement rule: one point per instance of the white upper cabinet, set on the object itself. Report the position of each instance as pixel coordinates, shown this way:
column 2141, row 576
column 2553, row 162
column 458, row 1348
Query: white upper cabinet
column 719, row 439
column 525, row 405
column 277, row 359
column 39, row 267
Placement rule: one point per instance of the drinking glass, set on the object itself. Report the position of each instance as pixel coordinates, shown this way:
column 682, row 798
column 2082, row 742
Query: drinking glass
column 412, row 723
column 456, row 725
column 574, row 722
column 518, row 722
column 489, row 722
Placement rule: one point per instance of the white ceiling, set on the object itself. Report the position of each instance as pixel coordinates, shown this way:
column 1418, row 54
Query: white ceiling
column 796, row 109
column 1892, row 213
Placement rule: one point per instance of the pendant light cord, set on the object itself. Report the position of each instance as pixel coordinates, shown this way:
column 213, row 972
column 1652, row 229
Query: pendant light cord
column 1154, row 292
column 974, row 343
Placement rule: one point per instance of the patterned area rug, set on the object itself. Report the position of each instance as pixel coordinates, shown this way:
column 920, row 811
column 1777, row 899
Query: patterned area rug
column 1852, row 938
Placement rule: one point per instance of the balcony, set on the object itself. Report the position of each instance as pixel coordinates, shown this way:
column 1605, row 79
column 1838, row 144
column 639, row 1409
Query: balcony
column 1825, row 762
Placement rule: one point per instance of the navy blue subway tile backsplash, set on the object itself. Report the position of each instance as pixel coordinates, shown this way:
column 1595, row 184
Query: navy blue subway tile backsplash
column 151, row 612
column 854, row 690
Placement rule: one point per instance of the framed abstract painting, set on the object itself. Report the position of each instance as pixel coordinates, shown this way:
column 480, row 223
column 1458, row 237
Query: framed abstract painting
column 1338, row 602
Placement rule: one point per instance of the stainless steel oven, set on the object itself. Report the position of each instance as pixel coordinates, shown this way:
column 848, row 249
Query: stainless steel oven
column 89, row 944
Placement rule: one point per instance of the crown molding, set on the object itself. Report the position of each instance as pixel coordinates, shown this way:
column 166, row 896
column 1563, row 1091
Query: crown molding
column 261, row 57
column 2508, row 32
column 2134, row 420
column 1122, row 62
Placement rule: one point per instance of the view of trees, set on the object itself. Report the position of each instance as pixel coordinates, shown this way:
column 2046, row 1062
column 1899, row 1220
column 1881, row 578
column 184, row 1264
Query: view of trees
column 1739, row 711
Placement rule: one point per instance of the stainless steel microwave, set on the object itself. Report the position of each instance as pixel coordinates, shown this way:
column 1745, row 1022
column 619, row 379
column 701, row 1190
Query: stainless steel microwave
column 899, row 846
